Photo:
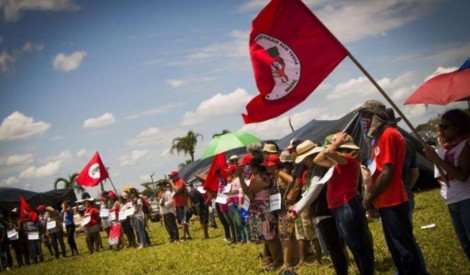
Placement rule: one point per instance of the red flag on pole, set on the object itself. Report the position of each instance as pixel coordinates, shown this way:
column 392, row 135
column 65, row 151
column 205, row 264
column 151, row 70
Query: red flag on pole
column 292, row 52
column 26, row 211
column 93, row 173
column 212, row 181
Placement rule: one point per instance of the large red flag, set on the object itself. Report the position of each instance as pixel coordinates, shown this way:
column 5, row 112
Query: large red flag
column 292, row 52
column 212, row 181
column 93, row 173
column 25, row 211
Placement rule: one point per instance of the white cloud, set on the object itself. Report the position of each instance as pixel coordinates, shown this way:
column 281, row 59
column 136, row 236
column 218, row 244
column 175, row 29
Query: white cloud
column 46, row 170
column 104, row 120
column 81, row 153
column 175, row 83
column 165, row 152
column 62, row 156
column 361, row 87
column 351, row 21
column 145, row 178
column 154, row 111
column 146, row 137
column 10, row 181
column 19, row 126
column 216, row 106
column 68, row 63
column 19, row 159
column 280, row 125
column 12, row 8
column 133, row 158
column 441, row 70
column 8, row 59
column 236, row 47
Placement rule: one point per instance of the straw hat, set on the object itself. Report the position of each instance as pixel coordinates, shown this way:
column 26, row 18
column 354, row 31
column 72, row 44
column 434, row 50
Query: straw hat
column 286, row 157
column 306, row 148
column 349, row 144
column 270, row 148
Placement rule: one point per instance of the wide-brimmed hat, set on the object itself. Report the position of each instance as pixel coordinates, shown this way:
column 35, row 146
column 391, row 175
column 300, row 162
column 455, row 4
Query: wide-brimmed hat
column 124, row 195
column 371, row 105
column 50, row 208
column 349, row 144
column 286, row 157
column 306, row 148
column 234, row 157
column 391, row 116
column 271, row 160
column 270, row 148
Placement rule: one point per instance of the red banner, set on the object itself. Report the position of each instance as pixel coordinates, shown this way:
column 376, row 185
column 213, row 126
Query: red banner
column 292, row 52
column 93, row 173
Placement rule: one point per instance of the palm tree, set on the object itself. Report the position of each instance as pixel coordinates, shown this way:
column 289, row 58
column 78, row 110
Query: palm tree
column 186, row 144
column 225, row 131
column 70, row 183
column 183, row 164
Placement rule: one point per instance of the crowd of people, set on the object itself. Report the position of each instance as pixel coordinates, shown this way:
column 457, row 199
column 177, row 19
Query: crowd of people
column 305, row 197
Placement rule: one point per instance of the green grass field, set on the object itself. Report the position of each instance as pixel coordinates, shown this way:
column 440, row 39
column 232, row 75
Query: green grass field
column 440, row 247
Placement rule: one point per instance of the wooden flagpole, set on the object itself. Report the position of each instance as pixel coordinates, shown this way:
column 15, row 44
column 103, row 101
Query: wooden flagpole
column 114, row 187
column 395, row 107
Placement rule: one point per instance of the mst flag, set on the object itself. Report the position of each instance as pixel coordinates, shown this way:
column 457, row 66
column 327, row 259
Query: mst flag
column 93, row 173
column 292, row 52
column 26, row 211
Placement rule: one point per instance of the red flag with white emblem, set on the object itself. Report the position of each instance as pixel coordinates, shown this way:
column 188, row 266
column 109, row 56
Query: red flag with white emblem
column 93, row 173
column 292, row 52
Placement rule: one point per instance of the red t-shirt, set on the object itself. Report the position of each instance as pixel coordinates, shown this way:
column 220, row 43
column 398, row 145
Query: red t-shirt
column 390, row 148
column 93, row 212
column 180, row 199
column 342, row 186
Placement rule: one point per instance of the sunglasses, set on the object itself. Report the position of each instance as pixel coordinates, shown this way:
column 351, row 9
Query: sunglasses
column 444, row 126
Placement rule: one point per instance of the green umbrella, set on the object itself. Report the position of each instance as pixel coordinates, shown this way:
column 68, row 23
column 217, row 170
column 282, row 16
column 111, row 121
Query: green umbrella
column 226, row 142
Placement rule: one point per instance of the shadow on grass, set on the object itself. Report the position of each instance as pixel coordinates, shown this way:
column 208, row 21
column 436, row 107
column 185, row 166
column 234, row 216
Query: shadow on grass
column 384, row 265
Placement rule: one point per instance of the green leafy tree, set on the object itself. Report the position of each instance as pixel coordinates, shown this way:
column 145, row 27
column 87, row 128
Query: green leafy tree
column 225, row 131
column 69, row 183
column 185, row 145
column 183, row 164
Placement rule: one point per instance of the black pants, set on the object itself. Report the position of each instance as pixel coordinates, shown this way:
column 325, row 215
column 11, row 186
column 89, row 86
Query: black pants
column 334, row 244
column 57, row 238
column 70, row 229
column 170, row 226
column 128, row 231
column 223, row 221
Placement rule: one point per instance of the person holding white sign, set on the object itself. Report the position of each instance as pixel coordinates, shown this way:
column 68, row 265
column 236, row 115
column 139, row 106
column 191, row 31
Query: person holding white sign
column 17, row 238
column 263, row 223
column 34, row 242
column 343, row 197
column 314, row 199
column 92, row 227
column 55, row 230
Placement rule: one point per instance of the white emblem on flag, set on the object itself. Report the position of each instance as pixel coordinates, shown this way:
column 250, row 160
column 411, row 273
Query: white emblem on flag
column 285, row 66
column 94, row 171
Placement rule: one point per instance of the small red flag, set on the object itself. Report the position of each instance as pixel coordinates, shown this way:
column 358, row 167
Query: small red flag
column 26, row 211
column 93, row 173
column 211, row 183
column 292, row 52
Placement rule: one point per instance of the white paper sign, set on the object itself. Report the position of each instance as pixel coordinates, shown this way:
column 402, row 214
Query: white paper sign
column 86, row 220
column 12, row 234
column 112, row 215
column 130, row 211
column 227, row 189
column 104, row 213
column 33, row 235
column 275, row 202
column 372, row 167
column 201, row 190
column 51, row 225
column 328, row 175
column 122, row 215
column 246, row 203
column 221, row 198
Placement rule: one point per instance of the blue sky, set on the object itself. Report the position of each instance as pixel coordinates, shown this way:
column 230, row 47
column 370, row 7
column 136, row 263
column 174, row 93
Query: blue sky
column 126, row 77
